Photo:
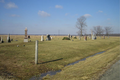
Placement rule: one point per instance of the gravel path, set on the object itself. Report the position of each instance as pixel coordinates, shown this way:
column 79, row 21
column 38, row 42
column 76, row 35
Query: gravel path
column 113, row 73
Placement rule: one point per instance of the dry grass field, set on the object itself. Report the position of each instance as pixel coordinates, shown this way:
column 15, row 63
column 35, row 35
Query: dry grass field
column 52, row 55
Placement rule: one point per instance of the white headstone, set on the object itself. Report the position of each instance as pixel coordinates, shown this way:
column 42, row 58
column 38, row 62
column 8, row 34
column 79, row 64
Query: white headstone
column 42, row 38
column 8, row 38
column 1, row 38
column 89, row 37
column 68, row 35
column 79, row 38
column 93, row 37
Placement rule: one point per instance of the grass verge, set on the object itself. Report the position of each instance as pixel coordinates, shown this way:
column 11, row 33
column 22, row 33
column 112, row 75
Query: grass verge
column 90, row 69
column 52, row 55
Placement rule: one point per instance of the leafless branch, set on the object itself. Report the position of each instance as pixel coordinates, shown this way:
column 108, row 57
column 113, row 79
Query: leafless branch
column 81, row 24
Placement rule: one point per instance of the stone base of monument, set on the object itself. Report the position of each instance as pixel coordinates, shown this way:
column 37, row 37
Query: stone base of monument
column 1, row 41
column 25, row 40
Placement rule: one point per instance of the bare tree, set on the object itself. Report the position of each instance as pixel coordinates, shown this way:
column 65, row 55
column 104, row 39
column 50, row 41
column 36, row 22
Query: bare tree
column 107, row 30
column 98, row 30
column 81, row 24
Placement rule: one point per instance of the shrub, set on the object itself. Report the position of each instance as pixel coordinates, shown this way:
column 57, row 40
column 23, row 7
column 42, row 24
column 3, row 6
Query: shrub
column 66, row 38
column 75, row 37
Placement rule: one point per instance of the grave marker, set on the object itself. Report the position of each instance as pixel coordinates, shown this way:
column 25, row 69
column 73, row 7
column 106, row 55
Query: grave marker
column 92, row 35
column 51, row 37
column 29, row 37
column 68, row 35
column 85, row 38
column 2, row 40
column 48, row 37
column 26, row 38
column 42, row 38
column 8, row 38
column 103, row 37
column 79, row 38
column 71, row 36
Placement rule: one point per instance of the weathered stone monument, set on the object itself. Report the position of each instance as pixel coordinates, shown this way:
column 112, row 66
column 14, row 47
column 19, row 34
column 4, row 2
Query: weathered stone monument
column 68, row 35
column 51, row 37
column 89, row 37
column 26, row 38
column 95, row 38
column 11, row 39
column 1, row 40
column 92, row 35
column 79, row 38
column 29, row 37
column 103, row 36
column 42, row 38
column 48, row 37
column 8, row 38
column 71, row 36
column 85, row 38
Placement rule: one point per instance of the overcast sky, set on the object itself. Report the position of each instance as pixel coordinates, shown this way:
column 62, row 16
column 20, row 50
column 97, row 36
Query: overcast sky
column 49, row 16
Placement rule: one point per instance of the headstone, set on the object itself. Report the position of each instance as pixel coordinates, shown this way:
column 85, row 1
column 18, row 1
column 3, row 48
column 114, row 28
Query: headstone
column 11, row 40
column 89, row 37
column 79, row 38
column 42, row 38
column 48, row 37
column 85, row 38
column 92, row 35
column 17, row 45
column 71, row 36
column 51, row 37
column 103, row 37
column 95, row 37
column 2, row 40
column 8, row 38
column 26, row 39
column 68, row 35
column 16, row 40
column 29, row 37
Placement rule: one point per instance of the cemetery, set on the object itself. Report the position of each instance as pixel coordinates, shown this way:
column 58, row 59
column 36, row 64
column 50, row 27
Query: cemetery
column 59, row 40
column 23, row 57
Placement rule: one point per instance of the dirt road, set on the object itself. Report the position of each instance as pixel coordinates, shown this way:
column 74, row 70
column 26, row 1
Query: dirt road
column 113, row 73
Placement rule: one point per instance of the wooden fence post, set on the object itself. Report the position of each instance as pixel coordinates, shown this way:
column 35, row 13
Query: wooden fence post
column 36, row 51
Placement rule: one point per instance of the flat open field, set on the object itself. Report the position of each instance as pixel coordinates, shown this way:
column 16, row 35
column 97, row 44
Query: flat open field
column 52, row 55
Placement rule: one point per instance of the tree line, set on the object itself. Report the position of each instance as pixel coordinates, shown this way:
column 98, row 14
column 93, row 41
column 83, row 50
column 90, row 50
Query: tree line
column 97, row 30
